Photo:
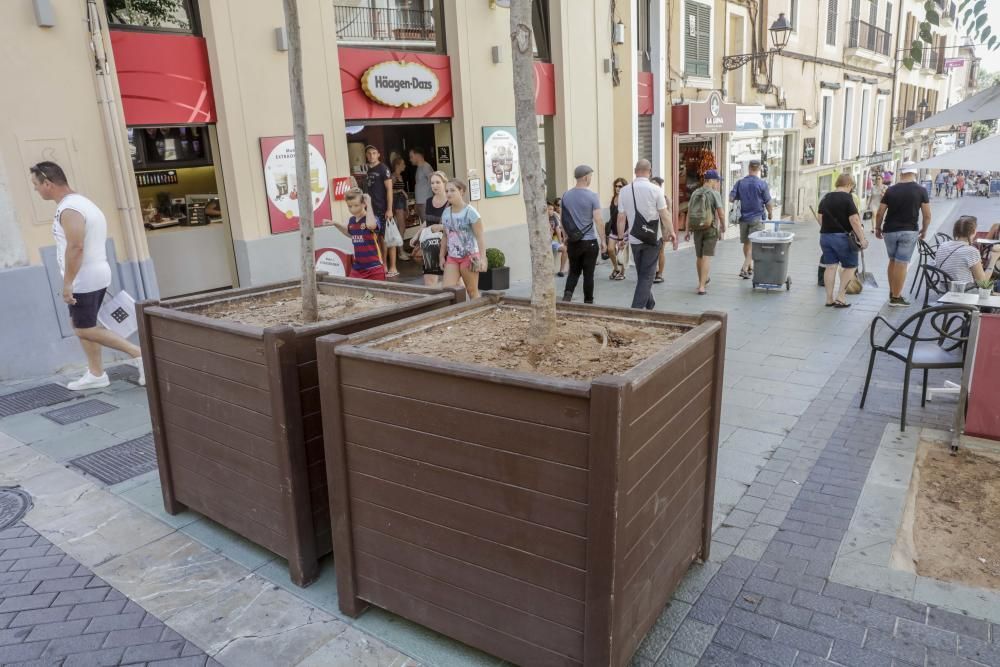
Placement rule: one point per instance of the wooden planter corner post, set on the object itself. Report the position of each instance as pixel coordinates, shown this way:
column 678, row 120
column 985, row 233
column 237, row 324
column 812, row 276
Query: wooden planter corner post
column 544, row 520
column 235, row 411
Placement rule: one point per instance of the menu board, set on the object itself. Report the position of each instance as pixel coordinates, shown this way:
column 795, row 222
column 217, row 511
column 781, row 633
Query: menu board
column 281, row 182
column 502, row 163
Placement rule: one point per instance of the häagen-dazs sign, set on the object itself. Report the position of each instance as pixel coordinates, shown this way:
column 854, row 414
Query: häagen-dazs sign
column 400, row 84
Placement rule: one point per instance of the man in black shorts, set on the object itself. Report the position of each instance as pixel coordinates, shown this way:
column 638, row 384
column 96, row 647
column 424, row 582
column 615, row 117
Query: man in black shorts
column 81, row 234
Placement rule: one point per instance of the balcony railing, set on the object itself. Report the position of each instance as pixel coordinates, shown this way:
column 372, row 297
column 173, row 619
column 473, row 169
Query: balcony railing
column 365, row 24
column 866, row 36
column 934, row 59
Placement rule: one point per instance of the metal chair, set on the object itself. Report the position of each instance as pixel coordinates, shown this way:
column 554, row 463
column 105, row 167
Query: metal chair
column 926, row 255
column 940, row 238
column 935, row 280
column 934, row 338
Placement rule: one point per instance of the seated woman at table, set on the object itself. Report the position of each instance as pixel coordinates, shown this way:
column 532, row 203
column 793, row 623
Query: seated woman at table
column 960, row 258
column 994, row 232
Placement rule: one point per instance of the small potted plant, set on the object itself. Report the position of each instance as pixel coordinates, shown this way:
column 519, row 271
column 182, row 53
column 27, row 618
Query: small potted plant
column 497, row 274
column 985, row 287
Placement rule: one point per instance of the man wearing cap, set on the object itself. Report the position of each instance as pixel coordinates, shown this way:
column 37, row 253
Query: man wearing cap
column 706, row 224
column 896, row 222
column 581, row 220
column 754, row 197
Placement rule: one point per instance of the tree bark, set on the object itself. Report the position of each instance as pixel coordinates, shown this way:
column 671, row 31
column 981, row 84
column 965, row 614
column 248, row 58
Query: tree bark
column 543, row 292
column 302, row 181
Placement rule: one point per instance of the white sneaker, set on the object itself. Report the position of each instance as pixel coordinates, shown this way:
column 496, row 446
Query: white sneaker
column 89, row 381
column 137, row 362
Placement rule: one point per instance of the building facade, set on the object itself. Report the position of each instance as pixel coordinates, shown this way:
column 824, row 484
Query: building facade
column 180, row 131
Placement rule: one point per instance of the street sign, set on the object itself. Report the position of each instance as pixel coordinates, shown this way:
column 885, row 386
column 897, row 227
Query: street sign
column 953, row 63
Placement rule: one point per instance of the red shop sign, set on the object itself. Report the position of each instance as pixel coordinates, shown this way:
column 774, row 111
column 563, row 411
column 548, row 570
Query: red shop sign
column 341, row 184
column 379, row 83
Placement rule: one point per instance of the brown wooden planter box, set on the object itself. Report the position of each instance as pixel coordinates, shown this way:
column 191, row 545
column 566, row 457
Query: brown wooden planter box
column 236, row 416
column 543, row 520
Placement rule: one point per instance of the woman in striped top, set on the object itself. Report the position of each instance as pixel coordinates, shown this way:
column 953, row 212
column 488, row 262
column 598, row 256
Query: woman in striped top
column 361, row 229
column 960, row 259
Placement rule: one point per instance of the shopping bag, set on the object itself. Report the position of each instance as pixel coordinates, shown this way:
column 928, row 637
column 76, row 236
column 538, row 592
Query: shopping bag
column 393, row 239
column 734, row 212
column 117, row 314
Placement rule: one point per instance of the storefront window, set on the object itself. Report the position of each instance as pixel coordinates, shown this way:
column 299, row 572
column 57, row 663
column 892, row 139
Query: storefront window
column 156, row 147
column 153, row 15
column 773, row 158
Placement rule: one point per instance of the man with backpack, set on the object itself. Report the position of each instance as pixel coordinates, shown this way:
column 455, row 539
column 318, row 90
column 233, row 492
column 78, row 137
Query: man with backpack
column 584, row 229
column 706, row 224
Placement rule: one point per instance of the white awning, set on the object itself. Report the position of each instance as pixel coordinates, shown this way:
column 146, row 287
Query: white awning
column 981, row 156
column 984, row 105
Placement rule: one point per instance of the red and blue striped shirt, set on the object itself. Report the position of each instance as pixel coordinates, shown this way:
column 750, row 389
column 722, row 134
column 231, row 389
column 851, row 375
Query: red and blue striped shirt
column 365, row 248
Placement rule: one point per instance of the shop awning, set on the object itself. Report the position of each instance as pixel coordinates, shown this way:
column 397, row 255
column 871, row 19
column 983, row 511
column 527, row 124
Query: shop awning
column 984, row 105
column 981, row 156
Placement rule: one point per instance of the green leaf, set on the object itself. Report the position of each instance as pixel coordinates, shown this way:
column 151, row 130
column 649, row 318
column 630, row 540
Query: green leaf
column 992, row 42
column 962, row 4
column 908, row 62
column 932, row 17
column 917, row 51
column 929, row 6
column 980, row 6
column 981, row 21
column 985, row 33
column 925, row 25
column 968, row 13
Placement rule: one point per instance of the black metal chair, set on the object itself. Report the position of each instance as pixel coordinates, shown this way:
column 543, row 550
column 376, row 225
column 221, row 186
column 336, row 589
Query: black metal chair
column 940, row 238
column 934, row 338
column 926, row 256
column 935, row 280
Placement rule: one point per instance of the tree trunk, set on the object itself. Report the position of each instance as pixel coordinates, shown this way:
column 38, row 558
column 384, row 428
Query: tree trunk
column 543, row 292
column 302, row 181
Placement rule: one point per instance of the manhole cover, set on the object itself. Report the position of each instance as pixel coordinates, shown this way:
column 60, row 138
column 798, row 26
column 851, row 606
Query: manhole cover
column 36, row 397
column 14, row 504
column 120, row 462
column 79, row 411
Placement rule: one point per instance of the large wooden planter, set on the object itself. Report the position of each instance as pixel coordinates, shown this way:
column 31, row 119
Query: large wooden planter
column 236, row 416
column 543, row 520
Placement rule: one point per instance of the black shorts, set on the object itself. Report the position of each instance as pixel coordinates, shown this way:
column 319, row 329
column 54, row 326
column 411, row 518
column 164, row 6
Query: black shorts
column 399, row 201
column 83, row 313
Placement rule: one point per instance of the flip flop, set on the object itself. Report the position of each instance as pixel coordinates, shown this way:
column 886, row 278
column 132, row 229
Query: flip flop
column 829, row 305
column 701, row 292
column 841, row 304
column 658, row 279
column 392, row 274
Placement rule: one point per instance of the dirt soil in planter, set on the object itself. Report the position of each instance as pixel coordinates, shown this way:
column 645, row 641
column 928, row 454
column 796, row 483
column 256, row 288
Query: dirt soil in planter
column 286, row 307
column 956, row 531
column 583, row 348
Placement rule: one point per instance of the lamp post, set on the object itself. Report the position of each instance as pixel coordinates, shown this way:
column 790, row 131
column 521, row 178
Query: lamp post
column 923, row 109
column 780, row 31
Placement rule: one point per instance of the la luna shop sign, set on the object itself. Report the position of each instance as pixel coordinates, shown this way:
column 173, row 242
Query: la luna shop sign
column 400, row 84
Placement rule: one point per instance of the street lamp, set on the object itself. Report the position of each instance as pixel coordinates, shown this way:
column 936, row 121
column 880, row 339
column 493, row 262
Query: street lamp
column 923, row 109
column 780, row 32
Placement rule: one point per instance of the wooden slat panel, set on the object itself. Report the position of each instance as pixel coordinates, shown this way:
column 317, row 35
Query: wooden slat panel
column 312, row 425
column 221, row 365
column 508, row 590
column 233, row 459
column 646, row 419
column 216, row 409
column 223, row 506
column 227, row 390
column 220, row 342
column 248, row 443
column 544, row 510
column 308, row 375
column 500, row 555
column 529, row 537
column 441, row 620
column 544, row 442
column 309, row 399
column 520, row 403
column 476, row 608
column 672, row 447
column 193, row 458
column 529, row 472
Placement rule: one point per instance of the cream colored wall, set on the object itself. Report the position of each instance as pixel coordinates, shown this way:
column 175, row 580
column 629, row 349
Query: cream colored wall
column 50, row 112
column 250, row 77
column 625, row 105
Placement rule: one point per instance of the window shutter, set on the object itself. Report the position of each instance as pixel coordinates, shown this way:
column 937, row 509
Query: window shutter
column 697, row 36
column 690, row 37
column 872, row 13
column 831, row 22
column 793, row 15
column 704, row 39
column 645, row 146
column 888, row 20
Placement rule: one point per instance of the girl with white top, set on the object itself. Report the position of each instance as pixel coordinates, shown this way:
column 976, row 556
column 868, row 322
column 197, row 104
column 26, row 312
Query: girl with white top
column 463, row 250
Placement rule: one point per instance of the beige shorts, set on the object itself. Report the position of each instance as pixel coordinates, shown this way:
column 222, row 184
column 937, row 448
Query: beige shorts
column 748, row 228
column 704, row 241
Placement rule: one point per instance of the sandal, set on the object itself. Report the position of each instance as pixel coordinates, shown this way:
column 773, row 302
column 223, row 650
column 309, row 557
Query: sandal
column 701, row 292
column 620, row 276
column 658, row 278
column 841, row 304
column 829, row 305
column 392, row 274
column 744, row 275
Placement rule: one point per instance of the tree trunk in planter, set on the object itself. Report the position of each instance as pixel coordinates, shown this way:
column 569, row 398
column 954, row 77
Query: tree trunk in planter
column 302, row 181
column 235, row 413
column 550, row 529
column 543, row 290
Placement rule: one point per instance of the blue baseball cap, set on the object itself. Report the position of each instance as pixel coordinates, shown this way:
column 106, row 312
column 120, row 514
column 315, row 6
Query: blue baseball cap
column 712, row 175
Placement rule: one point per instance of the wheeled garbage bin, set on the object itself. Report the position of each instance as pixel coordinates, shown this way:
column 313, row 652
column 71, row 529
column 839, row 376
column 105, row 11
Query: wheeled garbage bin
column 771, row 250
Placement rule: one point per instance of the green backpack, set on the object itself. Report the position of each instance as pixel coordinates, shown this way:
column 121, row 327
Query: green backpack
column 701, row 210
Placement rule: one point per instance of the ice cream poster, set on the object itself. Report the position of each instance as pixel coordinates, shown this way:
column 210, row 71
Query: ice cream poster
column 281, row 182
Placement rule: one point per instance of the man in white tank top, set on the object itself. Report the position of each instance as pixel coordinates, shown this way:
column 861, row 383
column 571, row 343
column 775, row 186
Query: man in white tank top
column 81, row 231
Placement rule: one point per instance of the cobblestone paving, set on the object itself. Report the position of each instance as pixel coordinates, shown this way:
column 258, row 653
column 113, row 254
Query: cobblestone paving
column 54, row 611
column 765, row 597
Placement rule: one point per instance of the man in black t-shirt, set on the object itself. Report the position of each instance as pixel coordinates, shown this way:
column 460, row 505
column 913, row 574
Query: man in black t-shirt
column 903, row 205
column 379, row 185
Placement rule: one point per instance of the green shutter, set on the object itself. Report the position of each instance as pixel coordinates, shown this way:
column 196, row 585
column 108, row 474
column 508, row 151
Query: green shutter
column 697, row 46
column 831, row 22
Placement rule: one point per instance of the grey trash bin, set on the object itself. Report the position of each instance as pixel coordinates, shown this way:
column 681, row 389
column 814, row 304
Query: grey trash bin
column 770, row 259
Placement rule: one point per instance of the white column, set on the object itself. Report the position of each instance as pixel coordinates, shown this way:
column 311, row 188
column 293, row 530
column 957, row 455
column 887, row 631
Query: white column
column 658, row 57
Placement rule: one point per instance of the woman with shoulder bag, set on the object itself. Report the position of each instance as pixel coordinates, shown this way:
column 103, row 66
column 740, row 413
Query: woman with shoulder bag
column 841, row 237
column 874, row 199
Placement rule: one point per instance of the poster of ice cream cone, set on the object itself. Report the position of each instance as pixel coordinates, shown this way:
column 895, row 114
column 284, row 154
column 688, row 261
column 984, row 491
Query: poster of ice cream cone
column 502, row 164
column 281, row 182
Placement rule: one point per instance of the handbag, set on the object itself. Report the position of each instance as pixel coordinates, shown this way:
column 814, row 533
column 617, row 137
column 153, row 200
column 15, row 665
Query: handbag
column 855, row 242
column 867, row 215
column 647, row 231
column 573, row 231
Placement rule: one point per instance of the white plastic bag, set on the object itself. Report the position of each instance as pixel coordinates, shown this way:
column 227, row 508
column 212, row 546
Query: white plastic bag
column 117, row 314
column 393, row 239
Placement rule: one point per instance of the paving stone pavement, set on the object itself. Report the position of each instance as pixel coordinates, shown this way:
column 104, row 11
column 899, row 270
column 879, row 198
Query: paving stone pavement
column 54, row 611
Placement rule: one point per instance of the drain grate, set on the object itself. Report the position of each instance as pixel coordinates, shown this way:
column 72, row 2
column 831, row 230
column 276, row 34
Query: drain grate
column 79, row 411
column 14, row 504
column 36, row 397
column 120, row 462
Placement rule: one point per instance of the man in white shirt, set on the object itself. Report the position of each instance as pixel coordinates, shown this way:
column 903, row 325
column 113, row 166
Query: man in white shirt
column 81, row 232
column 646, row 198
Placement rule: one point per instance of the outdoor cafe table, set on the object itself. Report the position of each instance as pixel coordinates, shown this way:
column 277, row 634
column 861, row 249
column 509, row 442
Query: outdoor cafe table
column 986, row 247
column 970, row 299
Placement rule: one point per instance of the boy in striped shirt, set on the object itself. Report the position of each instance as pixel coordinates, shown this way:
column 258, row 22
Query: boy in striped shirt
column 361, row 229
